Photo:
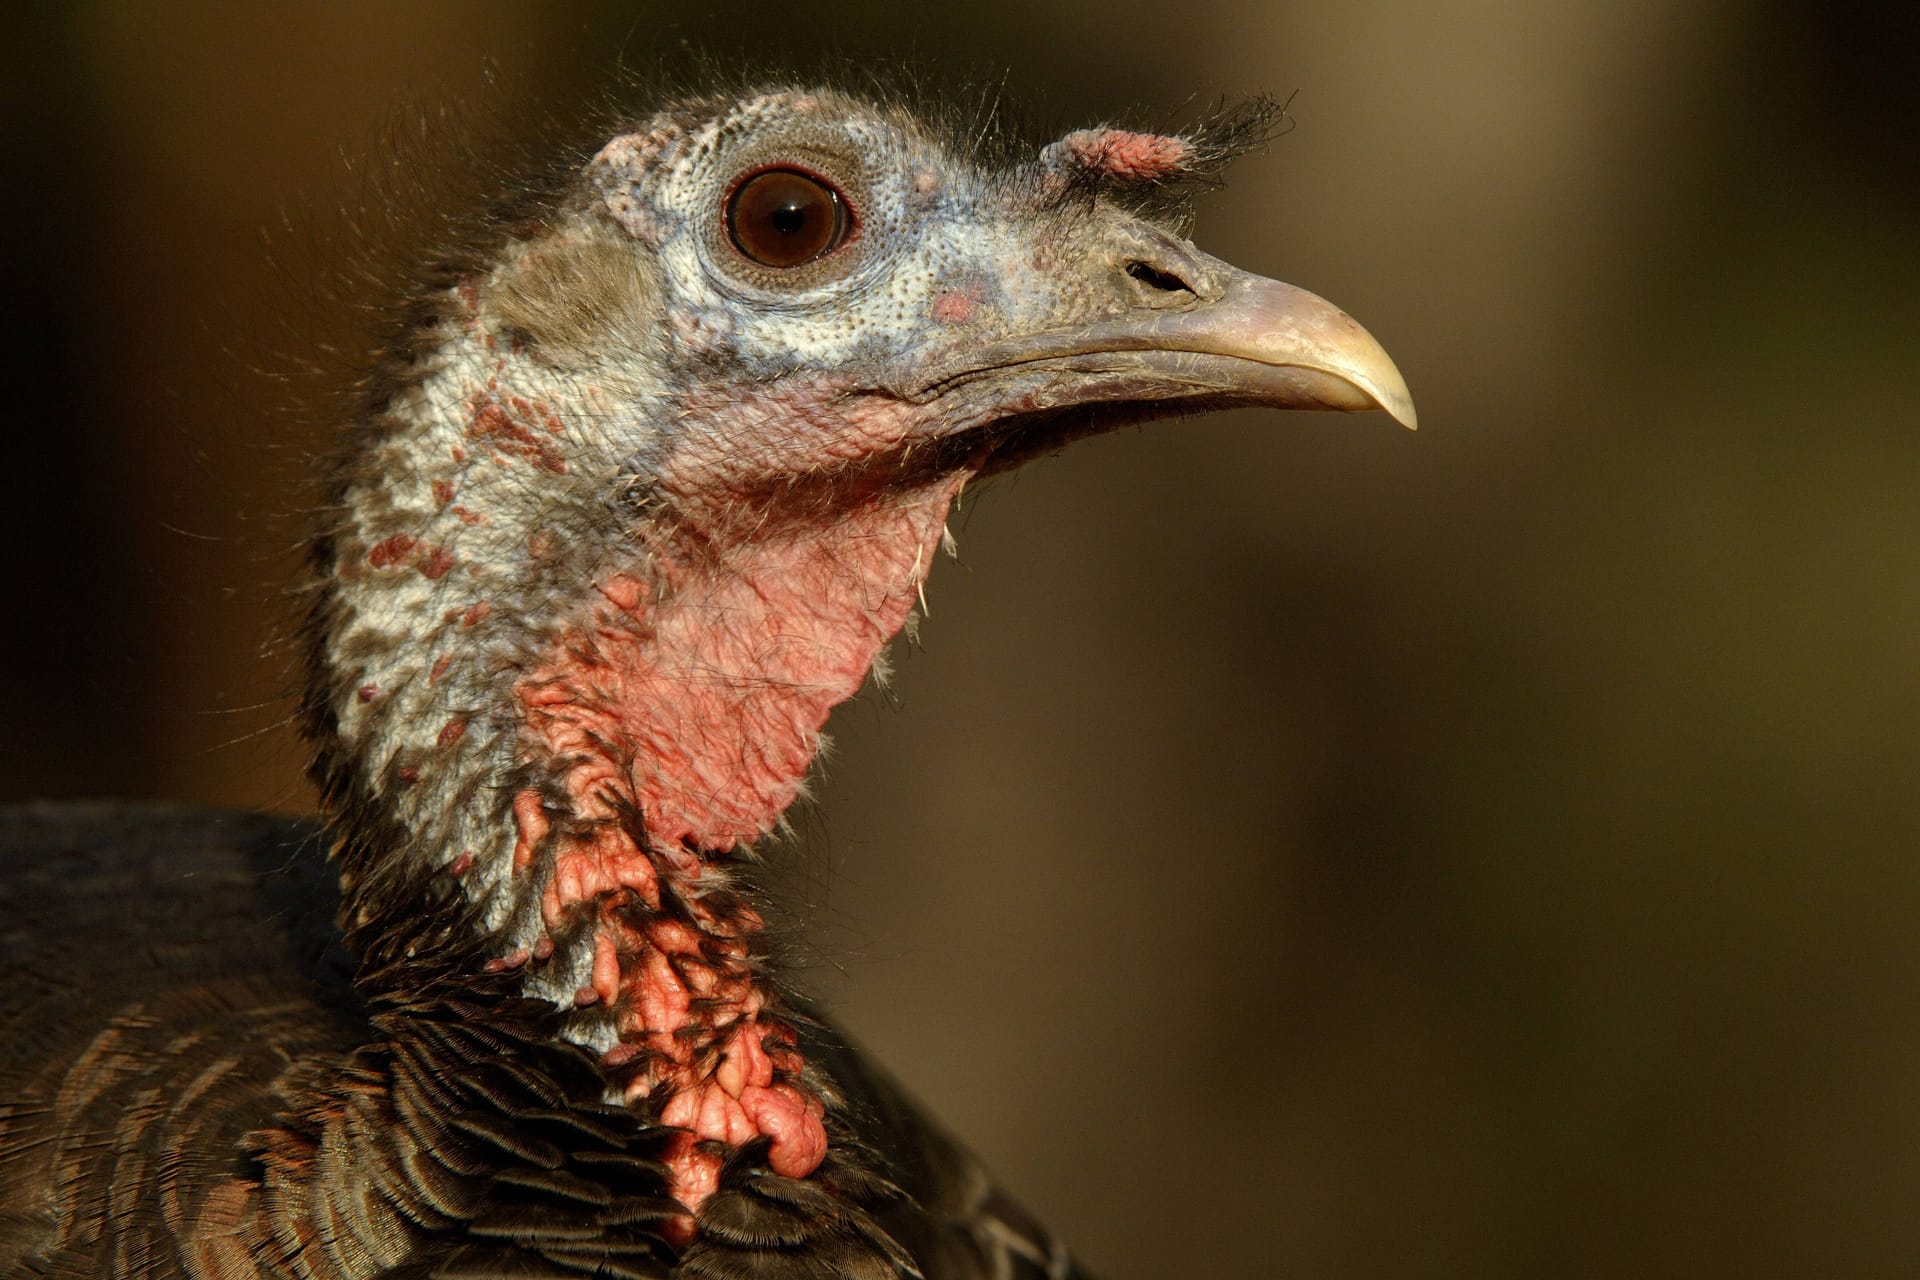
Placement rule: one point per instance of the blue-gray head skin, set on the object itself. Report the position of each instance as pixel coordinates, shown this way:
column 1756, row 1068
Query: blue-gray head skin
column 663, row 469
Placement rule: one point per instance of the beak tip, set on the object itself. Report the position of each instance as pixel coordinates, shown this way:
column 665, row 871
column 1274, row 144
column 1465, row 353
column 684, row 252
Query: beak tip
column 1381, row 379
column 1376, row 378
column 1400, row 408
column 1345, row 366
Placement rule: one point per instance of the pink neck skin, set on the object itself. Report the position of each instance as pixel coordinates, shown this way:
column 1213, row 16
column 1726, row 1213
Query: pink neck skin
column 695, row 696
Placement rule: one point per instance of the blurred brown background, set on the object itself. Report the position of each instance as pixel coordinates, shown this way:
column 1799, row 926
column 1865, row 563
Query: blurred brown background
column 1309, row 848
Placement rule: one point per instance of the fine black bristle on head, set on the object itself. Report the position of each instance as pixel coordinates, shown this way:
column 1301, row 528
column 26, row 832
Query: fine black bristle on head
column 1158, row 174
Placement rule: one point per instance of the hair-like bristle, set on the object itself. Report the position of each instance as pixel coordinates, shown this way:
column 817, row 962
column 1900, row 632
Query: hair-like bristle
column 1158, row 173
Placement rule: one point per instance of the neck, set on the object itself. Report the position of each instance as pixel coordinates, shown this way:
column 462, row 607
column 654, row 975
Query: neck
column 589, row 781
column 694, row 691
column 670, row 728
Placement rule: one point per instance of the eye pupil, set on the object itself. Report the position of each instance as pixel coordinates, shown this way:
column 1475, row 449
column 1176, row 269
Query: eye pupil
column 785, row 218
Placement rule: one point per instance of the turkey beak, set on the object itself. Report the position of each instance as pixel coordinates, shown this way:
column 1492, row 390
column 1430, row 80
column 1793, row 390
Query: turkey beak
column 1290, row 349
column 1187, row 330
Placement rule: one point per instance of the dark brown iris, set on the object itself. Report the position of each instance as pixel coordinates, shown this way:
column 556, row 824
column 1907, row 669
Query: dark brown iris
column 785, row 218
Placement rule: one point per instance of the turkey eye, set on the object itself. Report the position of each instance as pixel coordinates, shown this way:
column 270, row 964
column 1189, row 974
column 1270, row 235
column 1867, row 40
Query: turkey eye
column 782, row 218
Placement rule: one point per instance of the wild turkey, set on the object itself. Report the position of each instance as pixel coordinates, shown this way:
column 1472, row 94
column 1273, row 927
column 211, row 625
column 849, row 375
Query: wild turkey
column 655, row 469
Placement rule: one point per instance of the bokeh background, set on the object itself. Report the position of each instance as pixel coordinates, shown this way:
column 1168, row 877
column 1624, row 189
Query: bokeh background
column 1307, row 848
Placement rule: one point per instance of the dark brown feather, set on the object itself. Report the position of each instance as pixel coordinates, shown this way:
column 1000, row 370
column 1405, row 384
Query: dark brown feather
column 191, row 1085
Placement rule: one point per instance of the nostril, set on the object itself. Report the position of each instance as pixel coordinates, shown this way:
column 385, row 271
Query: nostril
column 1153, row 277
